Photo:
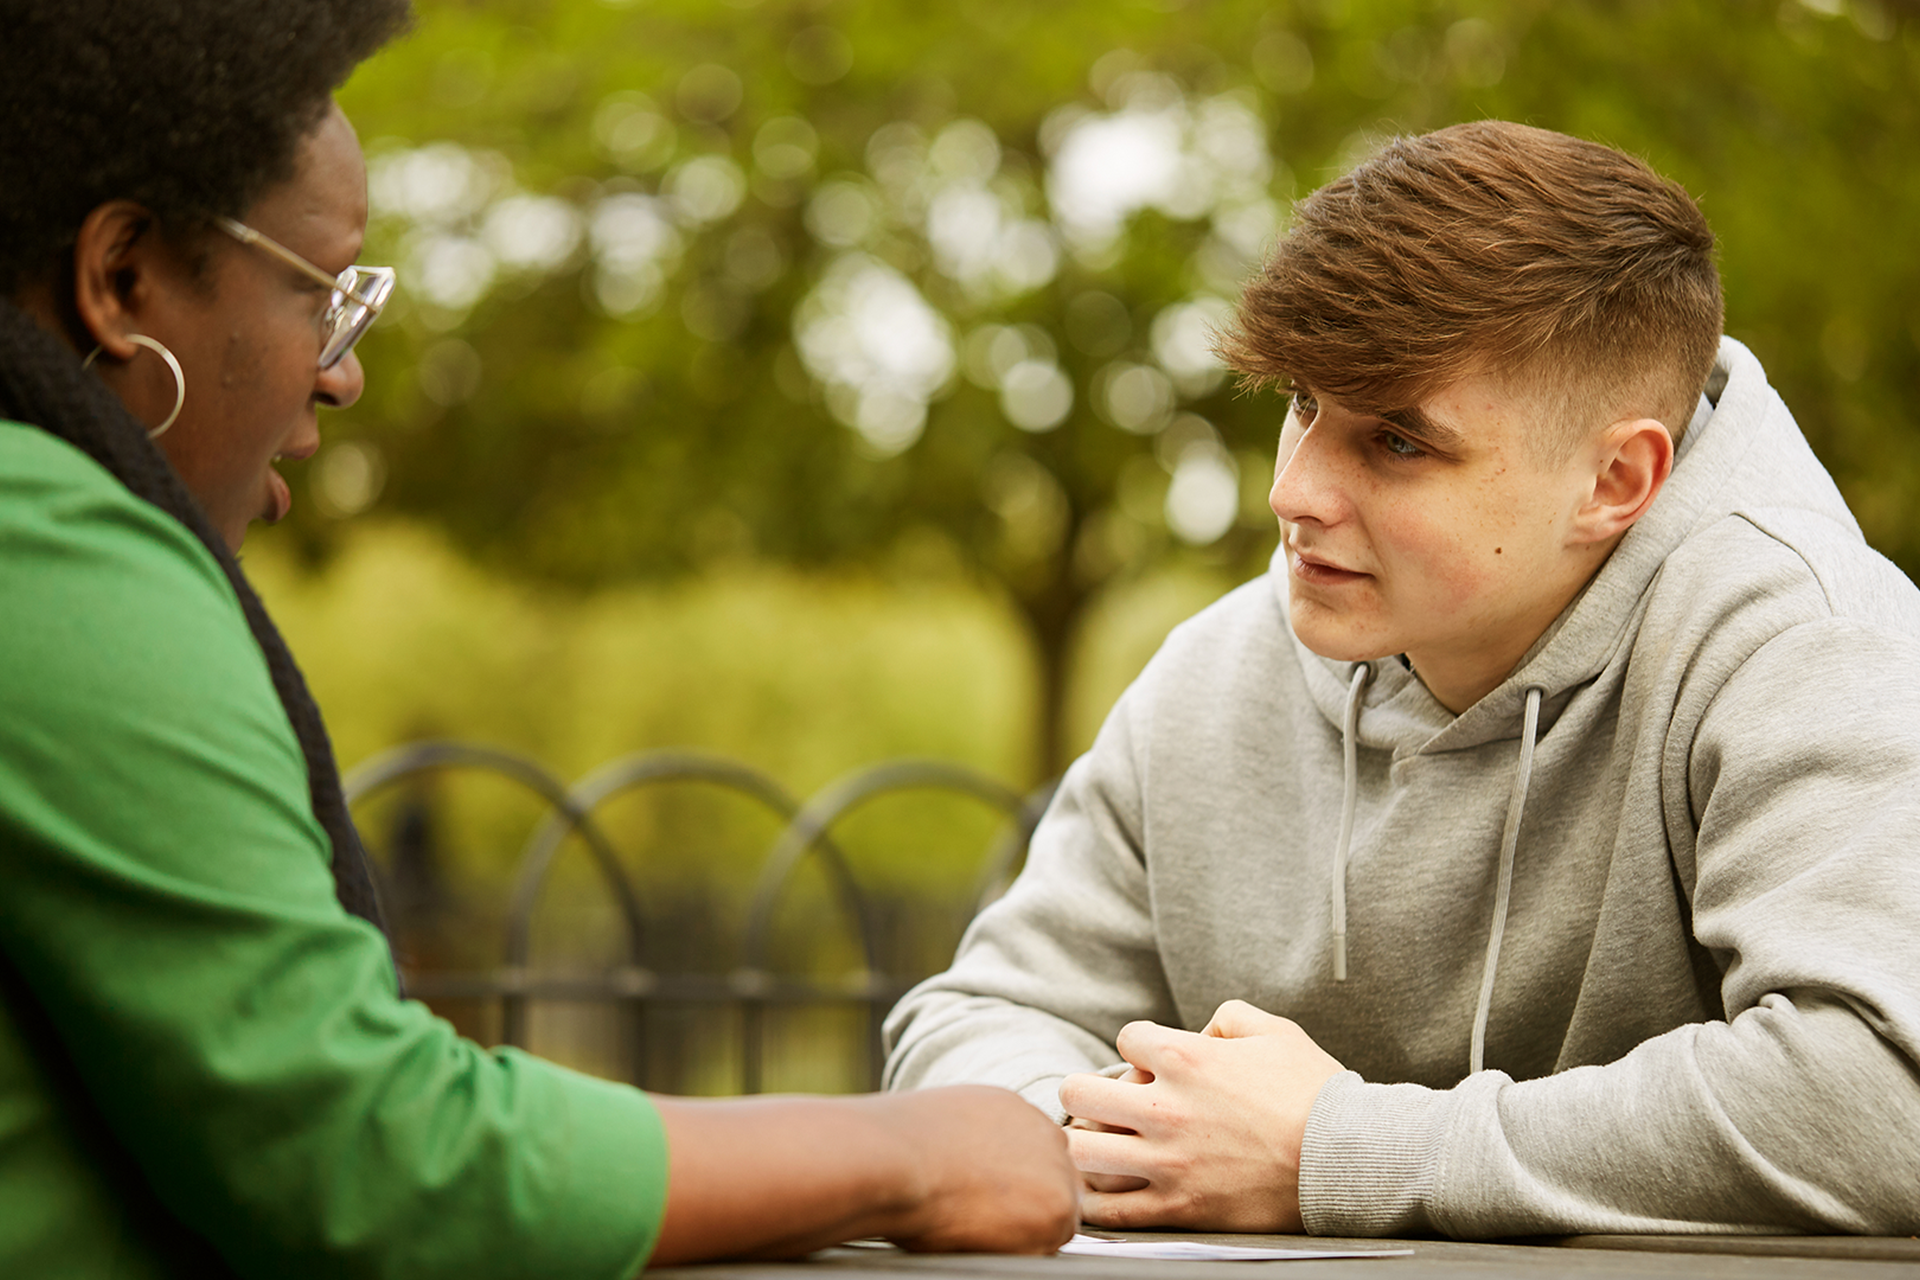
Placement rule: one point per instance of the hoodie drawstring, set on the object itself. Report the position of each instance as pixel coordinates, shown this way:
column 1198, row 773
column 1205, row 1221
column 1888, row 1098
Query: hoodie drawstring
column 1509, row 842
column 1350, row 735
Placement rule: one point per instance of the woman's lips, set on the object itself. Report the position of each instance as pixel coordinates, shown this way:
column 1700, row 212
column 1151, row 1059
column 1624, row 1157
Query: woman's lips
column 279, row 498
column 1320, row 573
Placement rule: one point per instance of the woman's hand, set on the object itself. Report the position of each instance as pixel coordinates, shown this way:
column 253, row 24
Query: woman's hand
column 997, row 1177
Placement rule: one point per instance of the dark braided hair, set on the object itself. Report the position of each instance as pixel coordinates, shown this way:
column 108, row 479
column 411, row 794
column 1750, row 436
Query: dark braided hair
column 192, row 108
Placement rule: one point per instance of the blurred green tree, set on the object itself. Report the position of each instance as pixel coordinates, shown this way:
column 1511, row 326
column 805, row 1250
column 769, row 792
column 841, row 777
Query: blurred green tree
column 867, row 281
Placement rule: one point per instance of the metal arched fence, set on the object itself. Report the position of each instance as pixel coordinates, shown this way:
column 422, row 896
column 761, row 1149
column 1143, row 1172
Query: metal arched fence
column 633, row 991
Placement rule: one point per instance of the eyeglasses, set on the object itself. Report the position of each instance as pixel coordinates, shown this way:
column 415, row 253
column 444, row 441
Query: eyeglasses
column 358, row 292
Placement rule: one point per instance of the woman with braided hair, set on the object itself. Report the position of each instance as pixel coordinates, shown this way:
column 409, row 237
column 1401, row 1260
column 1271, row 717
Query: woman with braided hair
column 205, row 1066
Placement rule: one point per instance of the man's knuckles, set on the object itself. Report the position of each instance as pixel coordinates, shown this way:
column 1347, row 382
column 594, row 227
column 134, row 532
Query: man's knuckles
column 1237, row 1018
column 1113, row 1182
column 1158, row 1050
column 1130, row 1210
column 1156, row 1206
column 1139, row 1043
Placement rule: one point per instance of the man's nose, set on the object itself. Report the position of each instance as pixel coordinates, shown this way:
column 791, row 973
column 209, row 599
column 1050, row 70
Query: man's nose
column 1305, row 486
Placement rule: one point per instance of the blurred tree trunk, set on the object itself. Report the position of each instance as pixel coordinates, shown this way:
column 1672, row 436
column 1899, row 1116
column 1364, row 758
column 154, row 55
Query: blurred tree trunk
column 1053, row 616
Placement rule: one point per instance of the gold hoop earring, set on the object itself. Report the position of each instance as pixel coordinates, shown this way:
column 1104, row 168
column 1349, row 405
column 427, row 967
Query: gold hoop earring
column 173, row 366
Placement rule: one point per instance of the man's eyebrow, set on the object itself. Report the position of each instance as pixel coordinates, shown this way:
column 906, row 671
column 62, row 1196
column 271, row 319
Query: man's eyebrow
column 1417, row 423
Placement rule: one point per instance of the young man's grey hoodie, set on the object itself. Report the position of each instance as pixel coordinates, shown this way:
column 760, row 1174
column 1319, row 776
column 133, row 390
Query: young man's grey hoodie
column 1705, row 779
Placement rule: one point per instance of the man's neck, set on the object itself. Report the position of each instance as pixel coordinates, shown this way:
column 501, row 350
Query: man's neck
column 1459, row 678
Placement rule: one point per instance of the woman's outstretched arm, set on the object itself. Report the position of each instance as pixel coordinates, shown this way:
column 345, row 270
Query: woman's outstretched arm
column 966, row 1168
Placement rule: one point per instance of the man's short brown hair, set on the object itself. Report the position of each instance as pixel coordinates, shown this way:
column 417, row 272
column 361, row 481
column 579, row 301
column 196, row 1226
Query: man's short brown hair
column 1490, row 249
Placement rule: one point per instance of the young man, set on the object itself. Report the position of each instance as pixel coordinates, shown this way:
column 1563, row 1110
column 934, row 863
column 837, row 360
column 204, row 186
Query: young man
column 1560, row 785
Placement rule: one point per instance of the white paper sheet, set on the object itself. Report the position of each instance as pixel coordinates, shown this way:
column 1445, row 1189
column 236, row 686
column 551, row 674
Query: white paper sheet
column 1196, row 1251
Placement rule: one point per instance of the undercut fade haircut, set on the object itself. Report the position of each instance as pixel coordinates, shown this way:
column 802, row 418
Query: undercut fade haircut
column 1555, row 265
column 191, row 108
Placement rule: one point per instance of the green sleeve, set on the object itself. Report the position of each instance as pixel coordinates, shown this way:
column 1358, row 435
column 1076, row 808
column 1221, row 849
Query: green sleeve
column 167, row 904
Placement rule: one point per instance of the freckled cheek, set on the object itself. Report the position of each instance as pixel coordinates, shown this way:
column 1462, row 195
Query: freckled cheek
column 1437, row 565
column 1482, row 566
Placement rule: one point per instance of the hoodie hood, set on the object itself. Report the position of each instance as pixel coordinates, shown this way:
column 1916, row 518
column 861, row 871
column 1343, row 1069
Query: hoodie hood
column 1741, row 453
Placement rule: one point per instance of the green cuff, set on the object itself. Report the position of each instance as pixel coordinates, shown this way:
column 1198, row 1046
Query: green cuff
column 614, row 1140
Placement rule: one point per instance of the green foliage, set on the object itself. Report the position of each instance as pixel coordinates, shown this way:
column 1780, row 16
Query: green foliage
column 700, row 193
column 801, row 677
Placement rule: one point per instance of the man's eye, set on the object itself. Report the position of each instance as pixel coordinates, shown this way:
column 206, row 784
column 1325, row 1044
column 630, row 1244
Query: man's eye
column 1398, row 445
column 1305, row 407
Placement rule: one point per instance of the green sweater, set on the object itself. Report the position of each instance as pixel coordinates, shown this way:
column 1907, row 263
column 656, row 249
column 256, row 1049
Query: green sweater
column 197, row 1044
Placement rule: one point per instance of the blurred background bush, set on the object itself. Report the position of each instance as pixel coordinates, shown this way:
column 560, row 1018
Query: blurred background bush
column 817, row 381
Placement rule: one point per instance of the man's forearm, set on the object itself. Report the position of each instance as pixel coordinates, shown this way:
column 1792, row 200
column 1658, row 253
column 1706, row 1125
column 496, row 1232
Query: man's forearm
column 1795, row 1116
column 948, row 1037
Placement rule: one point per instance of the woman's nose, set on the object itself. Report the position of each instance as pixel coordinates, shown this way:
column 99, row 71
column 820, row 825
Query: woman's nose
column 341, row 385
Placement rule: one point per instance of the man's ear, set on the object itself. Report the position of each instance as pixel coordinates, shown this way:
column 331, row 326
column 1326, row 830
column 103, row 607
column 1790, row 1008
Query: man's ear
column 1632, row 461
column 116, row 261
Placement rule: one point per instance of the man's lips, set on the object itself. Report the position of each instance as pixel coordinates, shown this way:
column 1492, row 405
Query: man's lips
column 1318, row 570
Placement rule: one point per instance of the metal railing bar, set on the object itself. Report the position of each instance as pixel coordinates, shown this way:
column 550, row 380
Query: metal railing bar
column 832, row 804
column 586, row 795
column 806, row 833
column 390, row 767
column 625, row 773
column 753, row 988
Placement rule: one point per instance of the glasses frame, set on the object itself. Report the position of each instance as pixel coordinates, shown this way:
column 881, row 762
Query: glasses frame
column 344, row 327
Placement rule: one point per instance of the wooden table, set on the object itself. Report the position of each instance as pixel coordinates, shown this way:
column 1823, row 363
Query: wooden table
column 1574, row 1257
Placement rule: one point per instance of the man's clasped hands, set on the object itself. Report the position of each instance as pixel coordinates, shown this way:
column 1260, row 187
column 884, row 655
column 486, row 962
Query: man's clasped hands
column 1204, row 1129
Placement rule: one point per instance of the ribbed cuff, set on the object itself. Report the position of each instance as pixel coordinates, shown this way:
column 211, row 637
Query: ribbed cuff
column 1370, row 1159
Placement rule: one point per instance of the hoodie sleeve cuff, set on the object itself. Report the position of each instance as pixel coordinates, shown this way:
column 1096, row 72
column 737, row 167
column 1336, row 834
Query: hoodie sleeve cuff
column 1044, row 1093
column 1370, row 1159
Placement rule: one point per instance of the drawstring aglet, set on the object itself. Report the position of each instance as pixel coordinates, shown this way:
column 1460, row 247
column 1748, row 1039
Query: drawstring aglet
column 1340, row 956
